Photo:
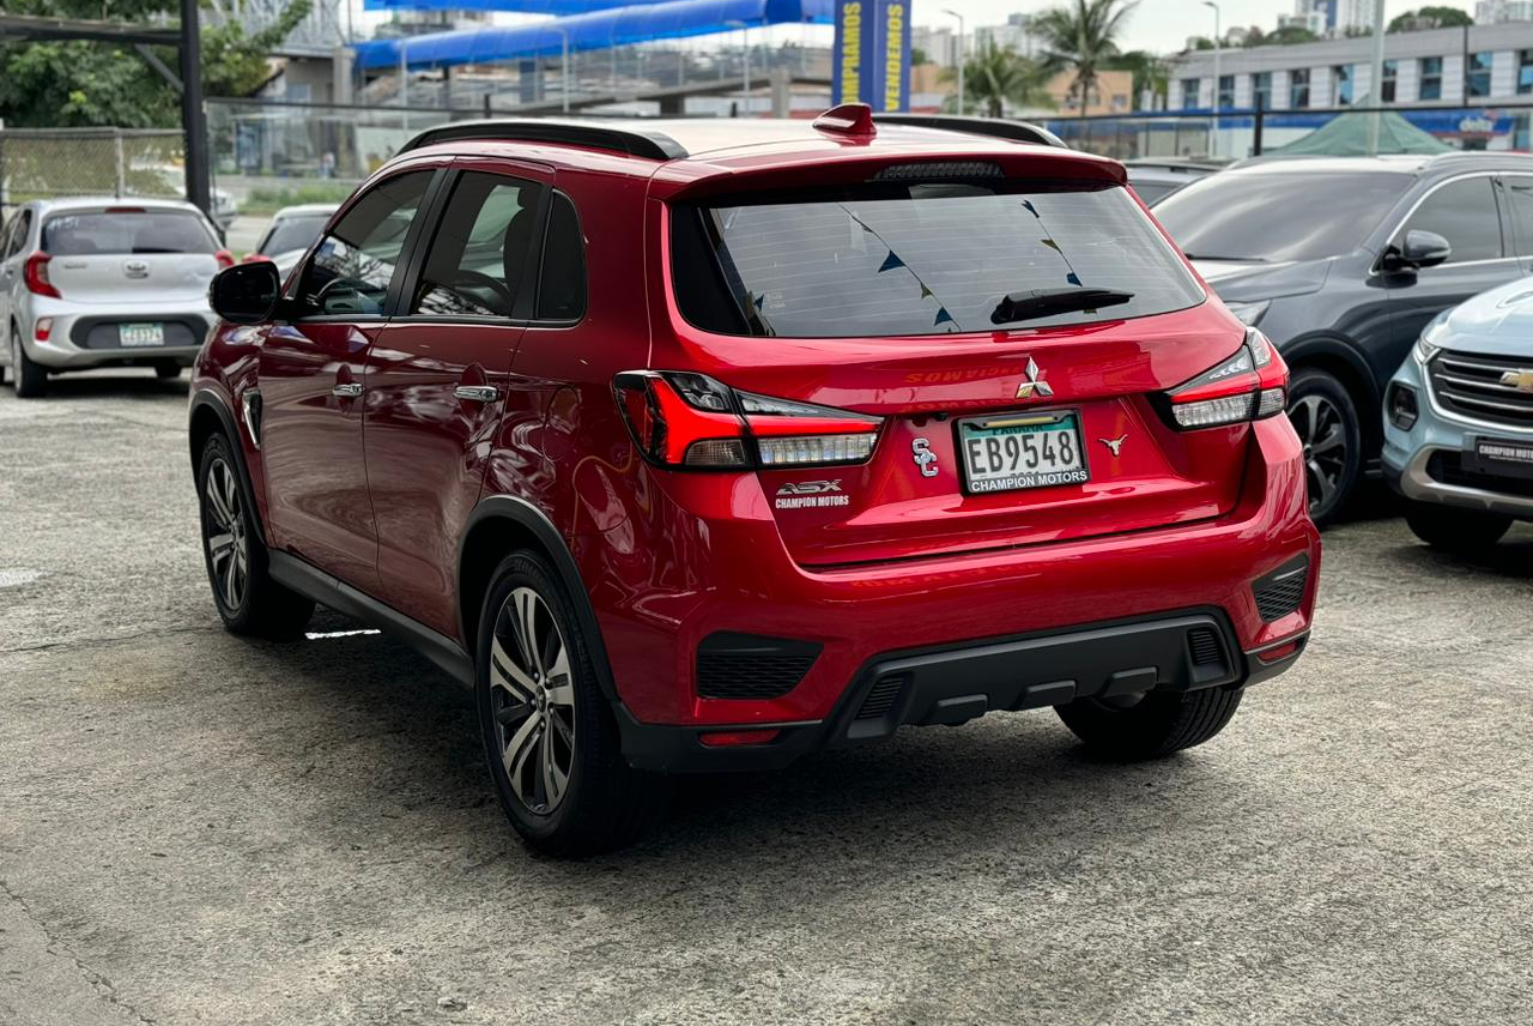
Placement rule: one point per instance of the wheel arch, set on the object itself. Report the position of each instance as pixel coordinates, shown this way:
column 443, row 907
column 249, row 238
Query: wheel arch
column 499, row 525
column 209, row 416
column 1342, row 360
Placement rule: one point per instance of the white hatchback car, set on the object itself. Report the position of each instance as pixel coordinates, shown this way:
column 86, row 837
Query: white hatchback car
column 105, row 283
column 291, row 232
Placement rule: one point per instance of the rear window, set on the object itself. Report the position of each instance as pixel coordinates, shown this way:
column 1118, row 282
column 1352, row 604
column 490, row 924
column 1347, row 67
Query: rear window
column 122, row 232
column 918, row 259
column 290, row 233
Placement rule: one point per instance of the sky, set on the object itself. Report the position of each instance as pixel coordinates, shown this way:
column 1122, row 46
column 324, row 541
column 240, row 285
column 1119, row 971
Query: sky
column 1158, row 25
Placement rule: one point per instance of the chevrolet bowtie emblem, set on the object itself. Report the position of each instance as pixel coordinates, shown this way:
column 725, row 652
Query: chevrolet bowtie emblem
column 1033, row 385
column 1521, row 380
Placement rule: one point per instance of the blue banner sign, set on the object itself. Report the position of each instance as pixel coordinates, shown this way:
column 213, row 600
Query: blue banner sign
column 872, row 54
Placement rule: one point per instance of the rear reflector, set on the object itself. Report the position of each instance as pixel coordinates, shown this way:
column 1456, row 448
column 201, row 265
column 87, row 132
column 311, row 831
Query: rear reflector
column 728, row 738
column 42, row 329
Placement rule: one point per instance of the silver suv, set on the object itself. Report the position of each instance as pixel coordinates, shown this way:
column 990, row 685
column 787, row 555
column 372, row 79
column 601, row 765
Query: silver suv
column 104, row 283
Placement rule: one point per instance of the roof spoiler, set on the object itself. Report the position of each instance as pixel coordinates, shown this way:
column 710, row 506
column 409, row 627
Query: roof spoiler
column 995, row 128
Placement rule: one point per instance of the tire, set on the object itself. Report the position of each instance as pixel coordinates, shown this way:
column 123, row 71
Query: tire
column 536, row 732
column 1324, row 415
column 249, row 602
column 167, row 371
column 1463, row 532
column 1156, row 725
column 28, row 378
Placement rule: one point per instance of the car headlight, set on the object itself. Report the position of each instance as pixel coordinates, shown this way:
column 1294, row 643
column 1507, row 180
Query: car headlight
column 1428, row 345
column 1250, row 314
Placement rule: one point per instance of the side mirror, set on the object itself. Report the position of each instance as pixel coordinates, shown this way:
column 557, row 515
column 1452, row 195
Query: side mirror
column 246, row 293
column 1421, row 249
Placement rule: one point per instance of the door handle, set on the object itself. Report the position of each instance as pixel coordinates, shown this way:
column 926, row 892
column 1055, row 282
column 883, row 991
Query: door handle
column 350, row 390
column 477, row 393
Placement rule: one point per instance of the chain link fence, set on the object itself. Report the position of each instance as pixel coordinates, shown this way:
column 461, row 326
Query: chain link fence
column 65, row 162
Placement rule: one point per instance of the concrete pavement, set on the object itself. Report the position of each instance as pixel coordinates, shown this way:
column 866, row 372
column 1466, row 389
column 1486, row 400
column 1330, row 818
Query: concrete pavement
column 196, row 828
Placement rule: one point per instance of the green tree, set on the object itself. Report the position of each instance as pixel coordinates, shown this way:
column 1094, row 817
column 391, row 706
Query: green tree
column 1430, row 17
column 1290, row 35
column 1082, row 37
column 995, row 77
column 1151, row 72
column 68, row 84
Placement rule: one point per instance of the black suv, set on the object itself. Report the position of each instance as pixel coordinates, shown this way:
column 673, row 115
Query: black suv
column 1342, row 262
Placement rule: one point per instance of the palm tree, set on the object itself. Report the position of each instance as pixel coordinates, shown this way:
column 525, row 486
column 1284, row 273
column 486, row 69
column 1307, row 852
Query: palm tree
column 994, row 77
column 1083, row 37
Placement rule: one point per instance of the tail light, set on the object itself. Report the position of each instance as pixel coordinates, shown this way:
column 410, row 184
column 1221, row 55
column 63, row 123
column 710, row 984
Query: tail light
column 1250, row 385
column 35, row 274
column 224, row 258
column 686, row 420
column 257, row 258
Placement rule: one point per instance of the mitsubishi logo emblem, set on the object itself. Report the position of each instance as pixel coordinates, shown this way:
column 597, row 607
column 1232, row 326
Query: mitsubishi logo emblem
column 1034, row 385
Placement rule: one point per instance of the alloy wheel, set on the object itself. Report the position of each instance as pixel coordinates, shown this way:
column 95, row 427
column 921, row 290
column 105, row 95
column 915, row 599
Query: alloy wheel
column 1323, row 434
column 227, row 538
column 533, row 699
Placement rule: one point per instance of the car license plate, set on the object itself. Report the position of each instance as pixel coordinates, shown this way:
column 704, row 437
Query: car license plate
column 1012, row 451
column 1504, row 456
column 141, row 334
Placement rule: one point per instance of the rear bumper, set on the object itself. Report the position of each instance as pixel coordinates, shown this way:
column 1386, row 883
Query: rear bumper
column 949, row 685
column 731, row 573
column 81, row 336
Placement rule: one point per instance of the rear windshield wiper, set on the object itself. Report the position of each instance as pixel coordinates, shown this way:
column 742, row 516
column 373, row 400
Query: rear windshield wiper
column 1021, row 306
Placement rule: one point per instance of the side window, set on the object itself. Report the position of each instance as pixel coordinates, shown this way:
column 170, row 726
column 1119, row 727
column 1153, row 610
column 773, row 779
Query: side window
column 478, row 257
column 1464, row 213
column 562, row 285
column 350, row 270
column 1519, row 200
column 21, row 228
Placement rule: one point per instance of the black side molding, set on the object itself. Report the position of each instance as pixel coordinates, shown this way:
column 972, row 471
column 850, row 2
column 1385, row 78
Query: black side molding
column 314, row 583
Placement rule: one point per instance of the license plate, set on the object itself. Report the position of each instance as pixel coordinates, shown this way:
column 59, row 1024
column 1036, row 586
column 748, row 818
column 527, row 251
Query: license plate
column 141, row 334
column 1009, row 452
column 1504, row 456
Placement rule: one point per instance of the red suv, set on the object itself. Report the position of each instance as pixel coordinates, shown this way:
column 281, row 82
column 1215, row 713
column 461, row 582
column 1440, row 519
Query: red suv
column 701, row 445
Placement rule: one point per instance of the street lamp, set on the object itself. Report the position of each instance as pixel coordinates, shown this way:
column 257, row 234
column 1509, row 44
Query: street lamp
column 961, row 55
column 745, row 53
column 564, row 66
column 1213, row 143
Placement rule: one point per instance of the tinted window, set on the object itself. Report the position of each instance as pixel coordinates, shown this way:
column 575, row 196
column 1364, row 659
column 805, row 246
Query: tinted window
column 349, row 272
column 917, row 259
column 1278, row 216
column 21, row 227
column 290, row 233
column 1519, row 194
column 1464, row 213
column 477, row 258
column 121, row 232
column 1154, row 192
column 562, row 286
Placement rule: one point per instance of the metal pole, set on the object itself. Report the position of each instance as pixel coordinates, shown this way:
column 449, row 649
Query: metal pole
column 193, row 121
column 1376, row 77
column 564, row 69
column 1256, row 130
column 1213, row 142
column 962, row 57
column 404, row 88
column 745, row 55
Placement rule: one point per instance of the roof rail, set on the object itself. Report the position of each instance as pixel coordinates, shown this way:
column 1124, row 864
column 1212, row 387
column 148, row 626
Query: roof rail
column 636, row 142
column 1017, row 131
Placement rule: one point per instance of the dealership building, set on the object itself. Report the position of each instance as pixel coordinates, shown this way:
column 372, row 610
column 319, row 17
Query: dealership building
column 1479, row 66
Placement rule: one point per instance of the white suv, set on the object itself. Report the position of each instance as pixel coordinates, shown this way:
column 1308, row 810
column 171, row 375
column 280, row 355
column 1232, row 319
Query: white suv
column 104, row 283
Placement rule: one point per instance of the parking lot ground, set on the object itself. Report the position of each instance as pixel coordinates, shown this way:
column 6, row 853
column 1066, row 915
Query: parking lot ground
column 199, row 829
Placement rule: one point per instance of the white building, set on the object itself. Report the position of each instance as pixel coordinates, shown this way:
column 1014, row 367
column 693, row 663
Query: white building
column 1440, row 66
column 1329, row 18
column 1491, row 12
column 1017, row 33
column 939, row 44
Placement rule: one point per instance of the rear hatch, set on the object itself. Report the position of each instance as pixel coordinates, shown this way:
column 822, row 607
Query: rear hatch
column 130, row 255
column 1010, row 345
